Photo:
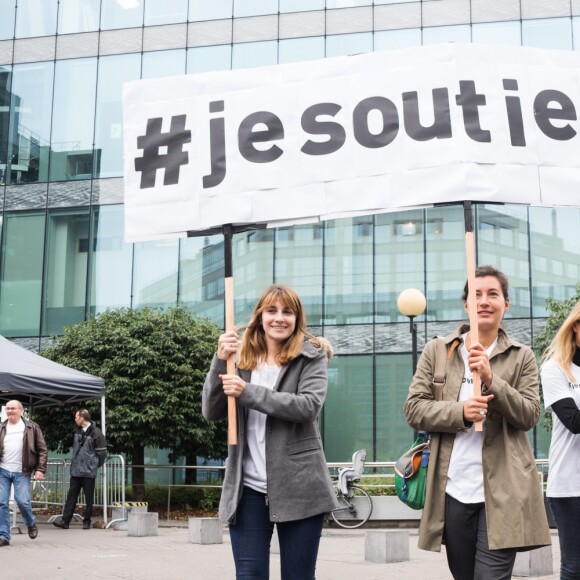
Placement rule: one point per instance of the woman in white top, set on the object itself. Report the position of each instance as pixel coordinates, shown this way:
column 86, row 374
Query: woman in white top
column 561, row 386
column 277, row 474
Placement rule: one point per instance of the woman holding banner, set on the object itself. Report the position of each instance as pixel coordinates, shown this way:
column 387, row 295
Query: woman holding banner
column 277, row 474
column 483, row 499
column 561, row 385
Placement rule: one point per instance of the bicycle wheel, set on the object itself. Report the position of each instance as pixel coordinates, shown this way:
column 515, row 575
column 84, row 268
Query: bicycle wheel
column 355, row 511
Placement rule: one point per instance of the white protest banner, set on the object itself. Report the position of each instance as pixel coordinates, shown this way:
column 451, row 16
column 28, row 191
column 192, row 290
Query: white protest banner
column 374, row 132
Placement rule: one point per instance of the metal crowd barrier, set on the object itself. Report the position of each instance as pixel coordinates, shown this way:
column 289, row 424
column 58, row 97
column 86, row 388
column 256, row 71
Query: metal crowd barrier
column 51, row 491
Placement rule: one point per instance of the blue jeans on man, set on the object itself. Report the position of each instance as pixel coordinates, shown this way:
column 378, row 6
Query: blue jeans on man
column 21, row 483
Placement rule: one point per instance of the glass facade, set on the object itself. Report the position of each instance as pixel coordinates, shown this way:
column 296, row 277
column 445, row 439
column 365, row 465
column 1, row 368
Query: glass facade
column 63, row 64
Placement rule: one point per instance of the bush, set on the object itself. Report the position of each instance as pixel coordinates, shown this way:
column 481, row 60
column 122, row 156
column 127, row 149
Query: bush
column 182, row 497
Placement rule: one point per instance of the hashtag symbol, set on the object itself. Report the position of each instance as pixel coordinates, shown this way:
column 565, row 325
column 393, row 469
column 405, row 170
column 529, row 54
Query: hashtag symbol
column 174, row 157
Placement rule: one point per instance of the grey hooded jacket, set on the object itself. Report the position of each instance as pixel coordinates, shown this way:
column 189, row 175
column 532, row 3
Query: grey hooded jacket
column 299, row 485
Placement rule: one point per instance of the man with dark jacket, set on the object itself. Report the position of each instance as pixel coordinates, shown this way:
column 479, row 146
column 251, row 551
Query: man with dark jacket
column 89, row 453
column 23, row 455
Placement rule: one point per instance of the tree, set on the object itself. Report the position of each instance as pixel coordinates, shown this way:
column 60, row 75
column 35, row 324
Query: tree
column 559, row 310
column 154, row 363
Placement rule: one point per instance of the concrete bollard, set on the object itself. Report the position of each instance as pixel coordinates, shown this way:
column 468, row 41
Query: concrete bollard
column 384, row 547
column 205, row 531
column 141, row 525
column 534, row 563
column 117, row 513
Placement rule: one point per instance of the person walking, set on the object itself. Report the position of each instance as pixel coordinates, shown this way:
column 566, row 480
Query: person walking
column 277, row 474
column 23, row 454
column 89, row 453
column 560, row 376
column 483, row 498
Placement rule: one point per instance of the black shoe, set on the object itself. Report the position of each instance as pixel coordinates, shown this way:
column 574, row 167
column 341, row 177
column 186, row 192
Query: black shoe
column 86, row 525
column 4, row 542
column 61, row 524
column 32, row 532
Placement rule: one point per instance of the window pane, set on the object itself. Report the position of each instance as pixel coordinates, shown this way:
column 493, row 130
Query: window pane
column 155, row 273
column 209, row 58
column 576, row 32
column 121, row 14
column 394, row 436
column 347, row 3
column 251, row 54
column 214, row 10
column 111, row 259
column 298, row 49
column 66, row 269
column 36, row 18
column 7, row 20
column 348, row 44
column 555, row 248
column 163, row 63
column 348, row 271
column 349, row 401
column 113, row 72
column 400, row 260
column 255, row 7
column 301, row 5
column 21, row 277
column 165, row 12
column 390, row 39
column 201, row 276
column 446, row 263
column 498, row 32
column 5, row 97
column 78, row 16
column 298, row 263
column 437, row 34
column 503, row 243
column 31, row 103
column 252, row 256
column 548, row 33
column 74, row 104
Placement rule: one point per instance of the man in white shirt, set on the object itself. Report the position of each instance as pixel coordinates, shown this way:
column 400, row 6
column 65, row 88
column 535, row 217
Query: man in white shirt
column 23, row 455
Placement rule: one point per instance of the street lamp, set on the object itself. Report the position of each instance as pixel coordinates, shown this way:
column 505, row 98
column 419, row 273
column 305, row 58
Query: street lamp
column 412, row 303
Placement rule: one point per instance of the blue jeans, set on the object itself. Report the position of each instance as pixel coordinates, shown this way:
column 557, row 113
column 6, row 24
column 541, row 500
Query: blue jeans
column 252, row 533
column 566, row 512
column 21, row 485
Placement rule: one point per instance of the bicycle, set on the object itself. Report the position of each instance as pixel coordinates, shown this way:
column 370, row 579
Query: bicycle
column 355, row 505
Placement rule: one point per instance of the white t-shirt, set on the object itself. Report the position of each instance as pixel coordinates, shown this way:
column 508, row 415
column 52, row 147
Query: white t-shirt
column 564, row 473
column 465, row 473
column 254, row 464
column 13, row 442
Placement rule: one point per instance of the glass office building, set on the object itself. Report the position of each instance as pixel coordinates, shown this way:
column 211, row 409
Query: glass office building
column 62, row 254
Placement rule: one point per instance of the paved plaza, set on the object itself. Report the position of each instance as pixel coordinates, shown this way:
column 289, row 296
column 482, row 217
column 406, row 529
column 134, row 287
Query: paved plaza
column 100, row 553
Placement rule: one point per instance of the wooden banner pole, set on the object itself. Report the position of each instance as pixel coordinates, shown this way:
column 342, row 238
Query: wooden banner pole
column 229, row 308
column 471, row 298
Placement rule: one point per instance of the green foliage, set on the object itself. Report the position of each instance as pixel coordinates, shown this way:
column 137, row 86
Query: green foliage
column 558, row 311
column 182, row 497
column 154, row 363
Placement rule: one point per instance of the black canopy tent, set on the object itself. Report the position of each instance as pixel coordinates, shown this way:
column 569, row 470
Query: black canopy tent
column 40, row 382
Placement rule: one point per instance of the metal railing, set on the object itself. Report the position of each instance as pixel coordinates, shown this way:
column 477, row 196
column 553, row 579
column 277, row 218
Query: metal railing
column 52, row 490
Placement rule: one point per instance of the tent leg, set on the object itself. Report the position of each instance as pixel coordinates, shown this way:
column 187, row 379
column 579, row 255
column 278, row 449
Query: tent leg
column 104, row 468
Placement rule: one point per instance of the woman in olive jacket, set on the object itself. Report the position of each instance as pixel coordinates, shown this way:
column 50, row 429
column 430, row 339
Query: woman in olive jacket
column 277, row 473
column 483, row 498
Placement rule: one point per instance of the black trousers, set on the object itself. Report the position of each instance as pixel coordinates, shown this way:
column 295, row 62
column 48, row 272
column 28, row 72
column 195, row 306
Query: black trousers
column 467, row 546
column 87, row 484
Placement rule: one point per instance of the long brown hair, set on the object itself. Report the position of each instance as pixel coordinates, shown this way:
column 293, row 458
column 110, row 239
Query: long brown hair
column 254, row 348
column 563, row 345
